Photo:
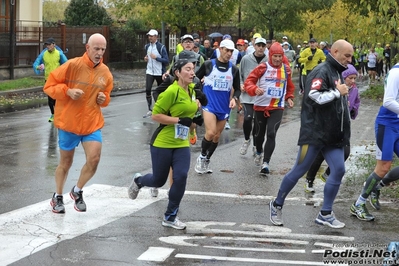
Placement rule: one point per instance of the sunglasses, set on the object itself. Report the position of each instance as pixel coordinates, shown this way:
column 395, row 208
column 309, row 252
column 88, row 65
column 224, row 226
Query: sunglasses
column 261, row 44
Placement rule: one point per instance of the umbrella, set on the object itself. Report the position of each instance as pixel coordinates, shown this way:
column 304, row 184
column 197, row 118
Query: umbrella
column 215, row 35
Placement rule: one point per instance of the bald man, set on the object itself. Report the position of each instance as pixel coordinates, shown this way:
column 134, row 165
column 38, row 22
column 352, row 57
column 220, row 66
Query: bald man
column 325, row 127
column 81, row 86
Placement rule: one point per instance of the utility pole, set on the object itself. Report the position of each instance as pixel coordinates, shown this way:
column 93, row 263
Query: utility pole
column 12, row 39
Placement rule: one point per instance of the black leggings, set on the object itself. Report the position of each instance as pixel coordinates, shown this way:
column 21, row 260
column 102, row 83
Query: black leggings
column 51, row 104
column 149, row 80
column 269, row 126
column 314, row 168
column 249, row 122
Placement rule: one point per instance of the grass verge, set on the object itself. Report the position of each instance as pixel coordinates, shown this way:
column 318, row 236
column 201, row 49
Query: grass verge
column 21, row 83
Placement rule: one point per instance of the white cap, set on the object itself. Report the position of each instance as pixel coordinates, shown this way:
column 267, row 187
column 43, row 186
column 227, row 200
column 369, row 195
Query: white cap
column 152, row 32
column 299, row 46
column 285, row 43
column 285, row 37
column 323, row 43
column 246, row 41
column 229, row 44
column 260, row 40
column 187, row 36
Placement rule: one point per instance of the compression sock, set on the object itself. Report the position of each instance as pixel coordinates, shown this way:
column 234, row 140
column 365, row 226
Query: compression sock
column 205, row 145
column 211, row 149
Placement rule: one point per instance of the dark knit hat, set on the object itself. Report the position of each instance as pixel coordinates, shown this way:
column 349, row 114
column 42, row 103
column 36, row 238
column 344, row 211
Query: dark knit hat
column 350, row 71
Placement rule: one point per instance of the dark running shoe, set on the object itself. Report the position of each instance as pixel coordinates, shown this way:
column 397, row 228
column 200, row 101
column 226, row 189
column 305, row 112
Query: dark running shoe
column 80, row 205
column 375, row 199
column 58, row 204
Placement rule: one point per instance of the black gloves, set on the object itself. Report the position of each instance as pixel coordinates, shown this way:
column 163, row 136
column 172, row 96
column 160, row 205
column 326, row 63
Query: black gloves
column 199, row 120
column 310, row 57
column 185, row 121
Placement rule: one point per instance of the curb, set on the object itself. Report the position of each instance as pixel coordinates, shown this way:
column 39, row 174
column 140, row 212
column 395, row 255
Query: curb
column 114, row 93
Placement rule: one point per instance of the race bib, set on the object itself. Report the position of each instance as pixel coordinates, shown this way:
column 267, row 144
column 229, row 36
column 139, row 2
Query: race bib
column 181, row 132
column 221, row 85
column 274, row 92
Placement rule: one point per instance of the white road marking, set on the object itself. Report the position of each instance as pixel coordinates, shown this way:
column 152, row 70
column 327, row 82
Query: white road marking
column 182, row 240
column 268, row 231
column 33, row 228
column 220, row 258
column 156, row 254
column 272, row 250
column 30, row 229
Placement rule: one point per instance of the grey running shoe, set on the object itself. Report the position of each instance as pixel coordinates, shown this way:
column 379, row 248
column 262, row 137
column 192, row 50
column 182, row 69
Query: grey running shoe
column 309, row 186
column 148, row 114
column 134, row 189
column 375, row 199
column 227, row 126
column 329, row 220
column 154, row 192
column 265, row 169
column 244, row 147
column 58, row 204
column 200, row 165
column 276, row 214
column 361, row 212
column 80, row 205
column 258, row 159
column 206, row 166
column 176, row 224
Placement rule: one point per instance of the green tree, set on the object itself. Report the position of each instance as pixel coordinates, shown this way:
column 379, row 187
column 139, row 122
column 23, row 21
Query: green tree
column 86, row 13
column 180, row 15
column 275, row 16
column 53, row 11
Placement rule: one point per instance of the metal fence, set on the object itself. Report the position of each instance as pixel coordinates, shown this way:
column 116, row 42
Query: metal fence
column 122, row 46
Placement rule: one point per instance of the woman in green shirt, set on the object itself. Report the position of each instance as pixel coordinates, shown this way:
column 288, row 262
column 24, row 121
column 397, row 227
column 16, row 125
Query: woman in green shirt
column 170, row 147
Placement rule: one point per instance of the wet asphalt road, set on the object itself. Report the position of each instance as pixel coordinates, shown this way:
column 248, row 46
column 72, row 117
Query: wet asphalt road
column 226, row 212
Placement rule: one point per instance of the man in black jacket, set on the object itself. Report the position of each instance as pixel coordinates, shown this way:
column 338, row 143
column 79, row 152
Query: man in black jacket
column 325, row 127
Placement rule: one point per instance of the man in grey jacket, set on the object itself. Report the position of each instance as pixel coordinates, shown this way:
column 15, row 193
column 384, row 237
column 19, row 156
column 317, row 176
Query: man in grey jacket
column 248, row 63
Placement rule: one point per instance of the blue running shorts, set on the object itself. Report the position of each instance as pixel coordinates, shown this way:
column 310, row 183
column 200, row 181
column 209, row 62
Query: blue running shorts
column 387, row 139
column 68, row 141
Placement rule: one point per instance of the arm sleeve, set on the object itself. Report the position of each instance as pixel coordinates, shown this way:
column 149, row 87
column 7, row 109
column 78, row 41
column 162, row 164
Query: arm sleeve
column 55, row 86
column 320, row 93
column 164, row 56
column 303, row 57
column 38, row 61
column 236, row 82
column 290, row 86
column 63, row 58
column 251, row 82
column 391, row 92
column 201, row 71
column 108, row 89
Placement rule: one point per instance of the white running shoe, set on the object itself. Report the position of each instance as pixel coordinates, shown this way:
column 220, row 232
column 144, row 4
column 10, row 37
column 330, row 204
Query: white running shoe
column 200, row 165
column 154, row 192
column 244, row 147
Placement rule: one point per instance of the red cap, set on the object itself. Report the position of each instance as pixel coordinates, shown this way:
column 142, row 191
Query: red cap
column 240, row 42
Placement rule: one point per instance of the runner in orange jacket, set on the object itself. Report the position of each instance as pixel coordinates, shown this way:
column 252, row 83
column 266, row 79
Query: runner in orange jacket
column 81, row 87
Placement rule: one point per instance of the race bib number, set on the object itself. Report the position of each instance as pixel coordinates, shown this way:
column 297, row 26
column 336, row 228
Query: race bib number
column 220, row 85
column 181, row 132
column 274, row 92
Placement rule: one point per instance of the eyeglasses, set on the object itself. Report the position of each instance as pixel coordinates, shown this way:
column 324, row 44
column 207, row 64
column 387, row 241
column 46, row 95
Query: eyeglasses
column 188, row 41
